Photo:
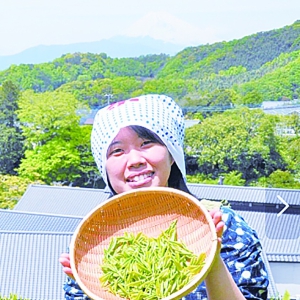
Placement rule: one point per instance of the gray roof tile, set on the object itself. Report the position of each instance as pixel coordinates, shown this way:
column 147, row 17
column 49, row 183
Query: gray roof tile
column 11, row 220
column 29, row 265
column 280, row 235
column 37, row 239
column 272, row 257
column 60, row 200
column 275, row 232
column 35, row 255
column 245, row 194
column 272, row 289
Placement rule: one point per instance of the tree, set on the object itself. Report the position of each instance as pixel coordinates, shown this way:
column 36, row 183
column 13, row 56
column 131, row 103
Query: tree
column 11, row 190
column 252, row 98
column 11, row 139
column 57, row 146
column 279, row 179
column 240, row 140
column 290, row 144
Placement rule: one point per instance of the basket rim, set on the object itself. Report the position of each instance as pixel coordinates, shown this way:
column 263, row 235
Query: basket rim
column 166, row 190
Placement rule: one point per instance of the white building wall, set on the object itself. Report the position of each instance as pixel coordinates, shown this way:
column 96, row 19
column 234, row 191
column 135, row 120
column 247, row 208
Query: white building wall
column 287, row 277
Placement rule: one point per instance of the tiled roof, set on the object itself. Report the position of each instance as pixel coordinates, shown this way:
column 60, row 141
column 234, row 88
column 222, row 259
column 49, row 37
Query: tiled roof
column 283, row 110
column 272, row 290
column 33, row 251
column 56, row 200
column 29, row 265
column 283, row 258
column 60, row 200
column 31, row 244
column 279, row 235
column 245, row 194
column 14, row 221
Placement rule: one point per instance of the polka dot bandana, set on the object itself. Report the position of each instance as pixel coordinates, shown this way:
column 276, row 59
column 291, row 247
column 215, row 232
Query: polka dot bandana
column 158, row 113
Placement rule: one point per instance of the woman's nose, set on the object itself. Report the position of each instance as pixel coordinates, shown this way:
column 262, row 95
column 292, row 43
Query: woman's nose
column 135, row 158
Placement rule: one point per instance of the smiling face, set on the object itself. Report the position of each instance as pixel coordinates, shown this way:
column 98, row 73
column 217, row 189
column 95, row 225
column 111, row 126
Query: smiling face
column 134, row 162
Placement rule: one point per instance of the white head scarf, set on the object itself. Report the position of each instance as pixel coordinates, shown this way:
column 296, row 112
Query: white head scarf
column 158, row 113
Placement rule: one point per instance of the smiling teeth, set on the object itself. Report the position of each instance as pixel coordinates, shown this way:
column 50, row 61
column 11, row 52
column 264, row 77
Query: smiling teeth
column 140, row 177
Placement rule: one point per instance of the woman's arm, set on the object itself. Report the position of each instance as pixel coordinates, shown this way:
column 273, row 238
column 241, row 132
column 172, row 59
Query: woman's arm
column 219, row 282
column 240, row 264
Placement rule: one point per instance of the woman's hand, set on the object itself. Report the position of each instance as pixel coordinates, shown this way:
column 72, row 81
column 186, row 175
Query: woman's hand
column 219, row 276
column 216, row 215
column 65, row 261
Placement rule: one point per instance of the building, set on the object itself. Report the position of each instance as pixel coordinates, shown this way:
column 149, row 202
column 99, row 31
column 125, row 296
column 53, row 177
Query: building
column 39, row 229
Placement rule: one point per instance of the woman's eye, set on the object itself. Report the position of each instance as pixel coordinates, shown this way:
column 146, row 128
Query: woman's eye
column 146, row 142
column 115, row 151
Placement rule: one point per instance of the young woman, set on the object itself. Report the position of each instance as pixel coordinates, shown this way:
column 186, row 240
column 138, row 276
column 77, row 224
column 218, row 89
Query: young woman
column 139, row 143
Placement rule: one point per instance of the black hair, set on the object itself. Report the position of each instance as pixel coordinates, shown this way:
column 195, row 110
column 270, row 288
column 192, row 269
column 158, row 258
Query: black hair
column 176, row 179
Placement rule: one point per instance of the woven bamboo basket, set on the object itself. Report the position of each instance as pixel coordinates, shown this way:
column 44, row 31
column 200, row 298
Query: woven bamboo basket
column 147, row 210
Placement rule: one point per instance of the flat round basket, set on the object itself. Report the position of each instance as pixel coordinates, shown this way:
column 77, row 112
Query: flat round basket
column 146, row 210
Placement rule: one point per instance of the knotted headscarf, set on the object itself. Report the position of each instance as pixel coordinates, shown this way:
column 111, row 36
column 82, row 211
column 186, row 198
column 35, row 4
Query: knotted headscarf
column 158, row 113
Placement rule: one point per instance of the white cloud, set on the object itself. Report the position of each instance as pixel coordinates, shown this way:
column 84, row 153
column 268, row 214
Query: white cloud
column 164, row 26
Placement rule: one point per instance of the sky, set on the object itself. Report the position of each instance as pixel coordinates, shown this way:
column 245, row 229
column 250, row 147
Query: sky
column 29, row 23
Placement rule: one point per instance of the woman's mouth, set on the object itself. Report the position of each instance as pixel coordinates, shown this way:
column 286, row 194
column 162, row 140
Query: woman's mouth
column 139, row 178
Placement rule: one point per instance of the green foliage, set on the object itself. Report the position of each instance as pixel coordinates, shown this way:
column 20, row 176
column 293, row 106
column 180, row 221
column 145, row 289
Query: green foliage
column 201, row 178
column 174, row 87
column 48, row 115
column 241, row 145
column 253, row 97
column 57, row 147
column 286, row 296
column 11, row 190
column 290, row 144
column 234, row 178
column 11, row 139
column 282, row 82
column 266, row 63
column 12, row 297
column 94, row 92
column 240, row 140
column 80, row 67
column 231, row 178
column 281, row 178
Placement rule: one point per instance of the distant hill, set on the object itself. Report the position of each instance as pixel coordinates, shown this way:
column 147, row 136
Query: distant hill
column 250, row 52
column 116, row 47
column 259, row 67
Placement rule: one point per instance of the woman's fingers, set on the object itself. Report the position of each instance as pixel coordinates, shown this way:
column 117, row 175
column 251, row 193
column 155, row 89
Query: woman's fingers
column 65, row 262
column 216, row 215
column 69, row 272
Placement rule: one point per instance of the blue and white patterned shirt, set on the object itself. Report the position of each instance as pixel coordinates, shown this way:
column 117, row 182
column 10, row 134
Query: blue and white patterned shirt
column 241, row 252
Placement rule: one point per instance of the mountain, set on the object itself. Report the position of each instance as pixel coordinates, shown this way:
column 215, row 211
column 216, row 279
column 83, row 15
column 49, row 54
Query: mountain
column 264, row 65
column 168, row 28
column 116, row 47
column 154, row 33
